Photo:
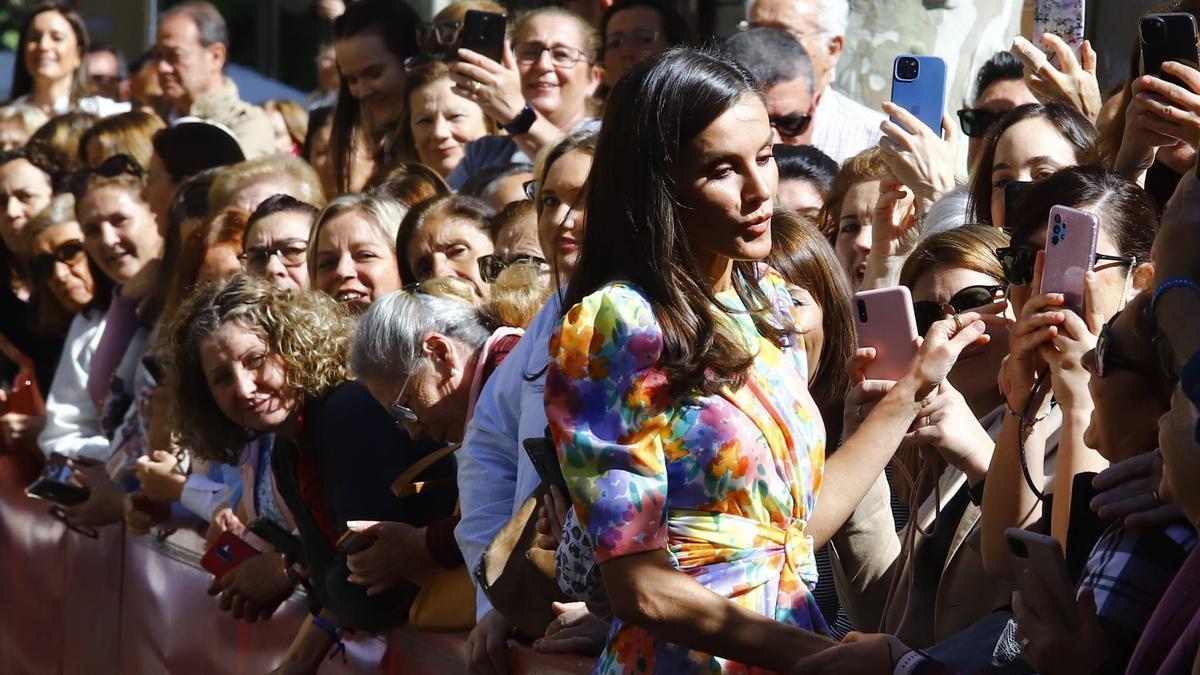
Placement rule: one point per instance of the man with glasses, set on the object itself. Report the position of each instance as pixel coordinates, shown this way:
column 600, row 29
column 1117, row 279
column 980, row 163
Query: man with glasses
column 107, row 72
column 842, row 127
column 783, row 68
column 999, row 87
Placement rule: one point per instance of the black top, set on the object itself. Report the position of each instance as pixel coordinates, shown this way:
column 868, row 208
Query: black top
column 358, row 452
column 44, row 350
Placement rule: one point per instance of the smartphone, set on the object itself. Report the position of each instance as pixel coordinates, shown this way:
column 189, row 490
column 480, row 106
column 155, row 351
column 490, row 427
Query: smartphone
column 1044, row 556
column 1167, row 37
column 545, row 461
column 1013, row 190
column 54, row 483
column 1063, row 18
column 483, row 33
column 919, row 86
column 1071, row 237
column 354, row 541
column 884, row 320
column 227, row 552
column 280, row 539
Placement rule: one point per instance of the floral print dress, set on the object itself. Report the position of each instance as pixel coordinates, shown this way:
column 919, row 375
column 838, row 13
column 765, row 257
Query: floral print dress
column 725, row 483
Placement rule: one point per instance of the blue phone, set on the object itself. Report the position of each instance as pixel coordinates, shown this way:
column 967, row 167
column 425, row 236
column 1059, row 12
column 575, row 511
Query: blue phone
column 919, row 86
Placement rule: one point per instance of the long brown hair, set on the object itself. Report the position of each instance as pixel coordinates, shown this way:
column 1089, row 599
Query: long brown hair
column 22, row 81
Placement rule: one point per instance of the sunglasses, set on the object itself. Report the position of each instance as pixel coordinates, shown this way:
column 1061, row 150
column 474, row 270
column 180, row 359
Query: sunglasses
column 1106, row 357
column 975, row 122
column 791, row 126
column 117, row 165
column 490, row 266
column 1018, row 263
column 927, row 312
column 69, row 253
column 442, row 33
column 292, row 253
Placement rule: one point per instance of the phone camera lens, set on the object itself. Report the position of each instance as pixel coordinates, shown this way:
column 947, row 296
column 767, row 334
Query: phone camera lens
column 907, row 68
column 1154, row 30
column 1058, row 218
column 862, row 311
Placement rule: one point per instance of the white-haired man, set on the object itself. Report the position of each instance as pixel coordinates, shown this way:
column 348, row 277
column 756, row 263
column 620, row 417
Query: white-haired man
column 841, row 127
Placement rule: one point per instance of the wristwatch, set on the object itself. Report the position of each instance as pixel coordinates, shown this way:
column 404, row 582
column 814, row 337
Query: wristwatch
column 523, row 122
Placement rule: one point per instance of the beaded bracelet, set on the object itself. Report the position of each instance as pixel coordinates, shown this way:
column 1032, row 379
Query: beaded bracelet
column 333, row 632
column 1174, row 282
column 1025, row 423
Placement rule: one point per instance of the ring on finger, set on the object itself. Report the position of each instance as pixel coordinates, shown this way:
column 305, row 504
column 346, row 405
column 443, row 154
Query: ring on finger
column 475, row 86
column 957, row 324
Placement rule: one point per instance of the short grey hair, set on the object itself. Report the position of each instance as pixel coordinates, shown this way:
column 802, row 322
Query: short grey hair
column 388, row 341
column 833, row 17
column 209, row 22
column 947, row 213
column 385, row 213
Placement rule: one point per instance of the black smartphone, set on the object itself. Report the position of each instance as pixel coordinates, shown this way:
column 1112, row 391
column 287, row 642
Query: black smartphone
column 54, row 484
column 483, row 33
column 1167, row 37
column 1013, row 190
column 545, row 460
column 282, row 540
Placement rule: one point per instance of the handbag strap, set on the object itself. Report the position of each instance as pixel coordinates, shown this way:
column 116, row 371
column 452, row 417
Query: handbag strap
column 406, row 484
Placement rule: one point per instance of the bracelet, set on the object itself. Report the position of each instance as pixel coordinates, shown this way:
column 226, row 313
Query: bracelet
column 1174, row 282
column 333, row 632
column 1025, row 423
column 908, row 664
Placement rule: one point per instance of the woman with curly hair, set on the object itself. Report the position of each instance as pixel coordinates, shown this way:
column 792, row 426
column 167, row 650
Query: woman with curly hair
column 251, row 359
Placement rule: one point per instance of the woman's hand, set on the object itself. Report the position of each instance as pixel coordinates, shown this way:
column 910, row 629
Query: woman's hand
column 487, row 645
column 1128, row 491
column 551, row 517
column 864, row 393
column 1074, row 338
column 859, row 654
column 397, row 554
column 495, row 87
column 920, row 158
column 225, row 520
column 895, row 234
column 1060, row 639
column 160, row 476
column 948, row 425
column 574, row 630
column 1037, row 323
column 105, row 504
column 142, row 514
column 1071, row 83
column 254, row 589
column 1161, row 114
column 943, row 344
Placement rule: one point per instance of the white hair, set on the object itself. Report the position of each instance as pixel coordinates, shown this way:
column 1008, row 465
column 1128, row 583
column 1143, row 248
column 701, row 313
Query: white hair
column 833, row 17
column 947, row 213
column 388, row 340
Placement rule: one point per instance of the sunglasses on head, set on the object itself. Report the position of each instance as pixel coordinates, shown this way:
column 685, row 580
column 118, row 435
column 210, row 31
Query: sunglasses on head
column 117, row 165
column 1018, row 262
column 792, row 125
column 975, row 122
column 490, row 266
column 70, row 253
column 927, row 312
column 442, row 33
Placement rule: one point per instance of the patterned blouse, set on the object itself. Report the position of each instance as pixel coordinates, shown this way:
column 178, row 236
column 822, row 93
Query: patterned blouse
column 725, row 483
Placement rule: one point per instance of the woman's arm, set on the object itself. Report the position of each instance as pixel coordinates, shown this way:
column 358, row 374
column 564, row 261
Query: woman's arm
column 1007, row 499
column 645, row 590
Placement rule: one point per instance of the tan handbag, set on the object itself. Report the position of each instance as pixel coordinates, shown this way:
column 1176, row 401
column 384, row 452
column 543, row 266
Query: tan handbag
column 518, row 577
column 446, row 601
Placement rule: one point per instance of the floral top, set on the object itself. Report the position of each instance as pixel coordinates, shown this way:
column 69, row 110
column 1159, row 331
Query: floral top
column 725, row 483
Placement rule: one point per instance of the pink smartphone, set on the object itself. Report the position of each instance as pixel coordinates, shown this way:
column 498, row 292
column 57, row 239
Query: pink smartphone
column 1071, row 237
column 884, row 319
column 1043, row 555
column 1064, row 18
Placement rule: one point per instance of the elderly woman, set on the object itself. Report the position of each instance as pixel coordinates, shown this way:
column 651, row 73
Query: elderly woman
column 249, row 359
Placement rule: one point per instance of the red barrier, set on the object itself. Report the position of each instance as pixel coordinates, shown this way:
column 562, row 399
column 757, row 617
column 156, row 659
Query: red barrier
column 32, row 574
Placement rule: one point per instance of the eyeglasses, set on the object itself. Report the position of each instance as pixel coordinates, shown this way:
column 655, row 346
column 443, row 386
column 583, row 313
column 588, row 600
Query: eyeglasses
column 291, row 252
column 490, row 266
column 442, row 33
column 792, row 125
column 1018, row 262
column 529, row 187
column 927, row 312
column 69, row 253
column 117, row 165
column 975, row 122
column 561, row 56
column 400, row 413
column 638, row 38
column 1105, row 357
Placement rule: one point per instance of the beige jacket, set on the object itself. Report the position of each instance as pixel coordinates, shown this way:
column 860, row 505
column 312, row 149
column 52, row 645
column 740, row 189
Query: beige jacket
column 867, row 556
column 249, row 123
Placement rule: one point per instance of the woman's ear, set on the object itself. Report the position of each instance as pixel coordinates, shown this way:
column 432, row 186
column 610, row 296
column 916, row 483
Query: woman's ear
column 1143, row 276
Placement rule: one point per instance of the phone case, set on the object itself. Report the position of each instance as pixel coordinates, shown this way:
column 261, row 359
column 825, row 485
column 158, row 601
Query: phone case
column 353, row 541
column 227, row 552
column 483, row 32
column 1044, row 556
column 54, row 484
column 1167, row 37
column 925, row 95
column 545, row 461
column 1071, row 237
column 1063, row 18
column 884, row 320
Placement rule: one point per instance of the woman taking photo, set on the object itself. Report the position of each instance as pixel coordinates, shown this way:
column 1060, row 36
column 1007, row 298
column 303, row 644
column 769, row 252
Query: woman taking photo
column 49, row 72
column 655, row 346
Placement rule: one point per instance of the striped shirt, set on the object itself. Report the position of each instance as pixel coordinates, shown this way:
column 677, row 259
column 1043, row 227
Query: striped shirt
column 842, row 127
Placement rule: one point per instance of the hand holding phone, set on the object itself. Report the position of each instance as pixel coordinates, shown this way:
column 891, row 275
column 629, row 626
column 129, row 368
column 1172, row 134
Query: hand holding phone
column 1071, row 237
column 1042, row 555
column 358, row 536
column 1167, row 37
column 55, row 483
column 885, row 321
column 919, row 86
column 226, row 553
column 483, row 33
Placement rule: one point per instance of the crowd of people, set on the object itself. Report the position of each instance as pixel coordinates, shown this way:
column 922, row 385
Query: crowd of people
column 561, row 347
